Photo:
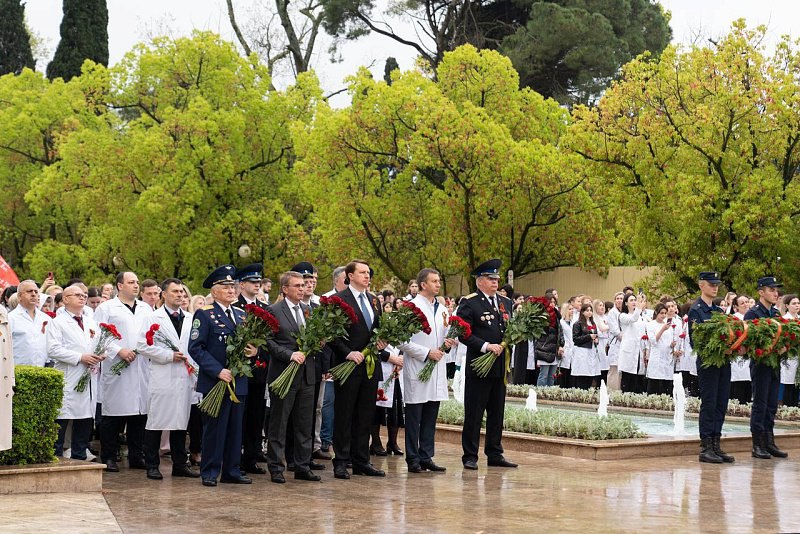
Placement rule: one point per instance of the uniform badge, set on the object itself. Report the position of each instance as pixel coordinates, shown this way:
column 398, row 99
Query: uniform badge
column 195, row 333
column 196, row 323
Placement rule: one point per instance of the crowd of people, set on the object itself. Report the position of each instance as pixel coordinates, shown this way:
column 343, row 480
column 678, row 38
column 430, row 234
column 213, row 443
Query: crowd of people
column 146, row 395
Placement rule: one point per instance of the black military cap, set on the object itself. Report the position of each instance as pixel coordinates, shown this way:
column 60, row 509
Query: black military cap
column 250, row 273
column 221, row 275
column 710, row 277
column 768, row 281
column 490, row 268
column 304, row 268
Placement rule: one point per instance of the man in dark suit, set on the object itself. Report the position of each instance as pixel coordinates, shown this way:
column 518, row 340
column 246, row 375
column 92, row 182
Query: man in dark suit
column 249, row 278
column 487, row 313
column 298, row 404
column 354, row 404
column 211, row 327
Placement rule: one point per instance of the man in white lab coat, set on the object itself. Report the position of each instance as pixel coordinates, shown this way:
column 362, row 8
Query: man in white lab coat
column 124, row 395
column 172, row 381
column 28, row 325
column 71, row 340
column 422, row 398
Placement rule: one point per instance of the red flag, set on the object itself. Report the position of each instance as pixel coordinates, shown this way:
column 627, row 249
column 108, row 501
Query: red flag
column 7, row 275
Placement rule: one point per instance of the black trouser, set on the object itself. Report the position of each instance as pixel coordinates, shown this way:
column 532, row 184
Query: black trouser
column 657, row 386
column 565, row 380
column 354, row 411
column 483, row 395
column 81, row 434
column 253, row 424
column 582, row 382
column 297, row 407
column 631, row 383
column 420, row 431
column 690, row 383
column 195, row 430
column 766, row 382
column 742, row 391
column 715, row 390
column 110, row 429
column 177, row 448
column 603, row 378
column 451, row 370
column 789, row 395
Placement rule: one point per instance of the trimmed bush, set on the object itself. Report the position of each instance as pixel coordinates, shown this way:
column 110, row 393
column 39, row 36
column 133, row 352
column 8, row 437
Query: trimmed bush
column 638, row 400
column 552, row 423
column 37, row 401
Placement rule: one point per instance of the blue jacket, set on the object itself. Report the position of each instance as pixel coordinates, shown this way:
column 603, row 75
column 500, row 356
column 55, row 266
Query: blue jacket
column 207, row 345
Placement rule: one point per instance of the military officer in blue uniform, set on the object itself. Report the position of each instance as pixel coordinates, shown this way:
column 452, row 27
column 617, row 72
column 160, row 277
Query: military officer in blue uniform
column 714, row 382
column 222, row 436
column 487, row 312
column 765, row 379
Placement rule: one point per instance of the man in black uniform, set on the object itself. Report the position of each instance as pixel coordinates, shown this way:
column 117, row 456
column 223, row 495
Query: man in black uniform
column 714, row 382
column 487, row 313
column 765, row 379
column 249, row 278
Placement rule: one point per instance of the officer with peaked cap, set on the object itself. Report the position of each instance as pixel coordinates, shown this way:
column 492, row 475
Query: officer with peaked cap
column 487, row 312
column 249, row 278
column 766, row 380
column 211, row 327
column 714, row 382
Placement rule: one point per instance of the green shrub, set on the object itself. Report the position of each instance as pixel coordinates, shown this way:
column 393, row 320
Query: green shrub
column 552, row 423
column 639, row 400
column 37, row 401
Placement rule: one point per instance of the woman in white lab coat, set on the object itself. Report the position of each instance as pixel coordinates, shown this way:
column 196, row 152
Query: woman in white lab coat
column 660, row 361
column 789, row 367
column 741, row 385
column 565, row 364
column 633, row 348
column 71, row 341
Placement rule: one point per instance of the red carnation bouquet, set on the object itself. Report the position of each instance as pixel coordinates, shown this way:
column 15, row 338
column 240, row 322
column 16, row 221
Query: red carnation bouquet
column 154, row 334
column 258, row 326
column 108, row 333
column 327, row 322
column 395, row 328
column 458, row 328
column 530, row 321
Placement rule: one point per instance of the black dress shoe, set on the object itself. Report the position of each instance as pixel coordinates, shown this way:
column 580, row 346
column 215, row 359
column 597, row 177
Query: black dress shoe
column 154, row 474
column 184, row 471
column 340, row 471
column 210, row 482
column 325, row 448
column 236, row 480
column 290, row 467
column 277, row 478
column 111, row 466
column 415, row 468
column 472, row 465
column 306, row 475
column 378, row 451
column 314, row 466
column 254, row 469
column 430, row 466
column 368, row 471
column 394, row 449
column 502, row 462
column 319, row 455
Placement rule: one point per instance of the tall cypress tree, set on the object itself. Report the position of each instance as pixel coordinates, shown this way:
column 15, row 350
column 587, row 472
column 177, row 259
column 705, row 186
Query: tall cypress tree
column 15, row 42
column 84, row 35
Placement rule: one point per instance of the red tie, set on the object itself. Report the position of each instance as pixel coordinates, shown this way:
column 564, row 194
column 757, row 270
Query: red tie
column 79, row 320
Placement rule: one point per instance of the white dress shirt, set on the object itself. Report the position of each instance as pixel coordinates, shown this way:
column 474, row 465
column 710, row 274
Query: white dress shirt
column 28, row 336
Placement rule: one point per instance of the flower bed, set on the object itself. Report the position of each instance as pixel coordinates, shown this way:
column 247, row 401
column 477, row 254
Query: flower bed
column 550, row 423
column 638, row 400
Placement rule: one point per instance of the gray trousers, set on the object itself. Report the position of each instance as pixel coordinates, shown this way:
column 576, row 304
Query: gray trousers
column 299, row 406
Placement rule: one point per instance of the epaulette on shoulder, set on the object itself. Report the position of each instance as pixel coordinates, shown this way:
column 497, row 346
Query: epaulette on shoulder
column 471, row 295
column 209, row 307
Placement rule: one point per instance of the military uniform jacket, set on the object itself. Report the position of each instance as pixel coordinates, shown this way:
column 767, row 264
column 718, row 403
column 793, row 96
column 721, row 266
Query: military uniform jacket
column 259, row 373
column 207, row 345
column 488, row 326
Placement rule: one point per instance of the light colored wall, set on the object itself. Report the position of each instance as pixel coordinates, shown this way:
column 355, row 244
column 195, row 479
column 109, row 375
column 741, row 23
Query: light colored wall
column 568, row 281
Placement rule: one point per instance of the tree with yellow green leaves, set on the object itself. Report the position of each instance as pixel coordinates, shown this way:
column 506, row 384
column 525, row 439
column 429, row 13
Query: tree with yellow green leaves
column 448, row 173
column 700, row 150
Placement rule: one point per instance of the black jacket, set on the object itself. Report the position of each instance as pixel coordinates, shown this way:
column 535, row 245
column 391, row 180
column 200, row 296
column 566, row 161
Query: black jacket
column 358, row 336
column 581, row 336
column 549, row 343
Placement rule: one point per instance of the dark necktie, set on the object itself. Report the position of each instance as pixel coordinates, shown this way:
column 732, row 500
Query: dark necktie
column 230, row 316
column 365, row 311
column 79, row 320
column 177, row 321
